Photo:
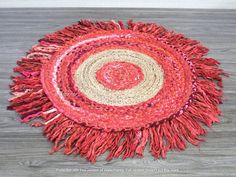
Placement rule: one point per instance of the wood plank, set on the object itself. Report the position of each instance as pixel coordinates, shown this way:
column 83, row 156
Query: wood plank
column 24, row 150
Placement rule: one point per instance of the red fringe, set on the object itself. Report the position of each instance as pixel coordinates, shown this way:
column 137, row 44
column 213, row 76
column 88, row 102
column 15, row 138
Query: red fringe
column 31, row 102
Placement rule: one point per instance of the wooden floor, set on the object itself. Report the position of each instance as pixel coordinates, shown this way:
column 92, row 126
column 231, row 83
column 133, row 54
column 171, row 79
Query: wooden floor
column 24, row 150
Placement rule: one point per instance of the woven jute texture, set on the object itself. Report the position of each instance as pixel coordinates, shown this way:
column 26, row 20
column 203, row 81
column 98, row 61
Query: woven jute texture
column 109, row 86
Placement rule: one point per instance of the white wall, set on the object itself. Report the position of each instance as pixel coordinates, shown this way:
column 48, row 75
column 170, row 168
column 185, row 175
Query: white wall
column 205, row 4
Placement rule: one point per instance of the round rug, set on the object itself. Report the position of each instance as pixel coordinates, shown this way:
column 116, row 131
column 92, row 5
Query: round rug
column 105, row 86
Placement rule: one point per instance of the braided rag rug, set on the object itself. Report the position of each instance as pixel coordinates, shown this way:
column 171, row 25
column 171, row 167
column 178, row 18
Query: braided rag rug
column 109, row 87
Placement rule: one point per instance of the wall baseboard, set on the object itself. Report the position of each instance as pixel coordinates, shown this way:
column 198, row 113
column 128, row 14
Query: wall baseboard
column 192, row 4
